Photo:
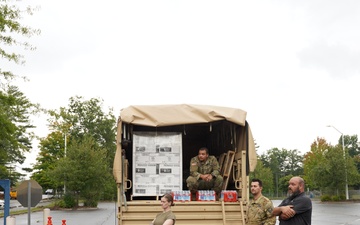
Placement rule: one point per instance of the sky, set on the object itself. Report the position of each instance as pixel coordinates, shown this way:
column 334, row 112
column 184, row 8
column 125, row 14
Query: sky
column 293, row 66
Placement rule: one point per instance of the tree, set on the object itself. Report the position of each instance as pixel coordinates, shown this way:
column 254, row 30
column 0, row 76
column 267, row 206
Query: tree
column 282, row 163
column 15, row 127
column 83, row 169
column 294, row 163
column 265, row 175
column 51, row 150
column 81, row 120
column 15, row 108
column 334, row 168
column 326, row 168
column 86, row 117
column 353, row 148
column 351, row 144
column 314, row 163
column 284, row 183
column 10, row 29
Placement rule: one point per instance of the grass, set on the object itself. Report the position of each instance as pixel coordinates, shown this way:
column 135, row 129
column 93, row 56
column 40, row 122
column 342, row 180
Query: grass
column 33, row 209
column 356, row 197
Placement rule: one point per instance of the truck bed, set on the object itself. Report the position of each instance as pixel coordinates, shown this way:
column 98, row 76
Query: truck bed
column 139, row 212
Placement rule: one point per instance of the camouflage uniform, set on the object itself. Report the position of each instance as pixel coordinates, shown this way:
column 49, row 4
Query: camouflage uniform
column 260, row 212
column 211, row 166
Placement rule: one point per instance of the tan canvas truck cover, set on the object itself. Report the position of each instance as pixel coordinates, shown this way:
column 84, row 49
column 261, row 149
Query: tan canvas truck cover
column 170, row 115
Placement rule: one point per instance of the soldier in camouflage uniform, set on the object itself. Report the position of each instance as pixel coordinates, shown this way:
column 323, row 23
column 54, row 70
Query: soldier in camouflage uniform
column 204, row 173
column 260, row 208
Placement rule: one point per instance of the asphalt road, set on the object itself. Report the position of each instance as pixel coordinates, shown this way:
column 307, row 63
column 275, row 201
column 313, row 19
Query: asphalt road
column 105, row 214
column 333, row 213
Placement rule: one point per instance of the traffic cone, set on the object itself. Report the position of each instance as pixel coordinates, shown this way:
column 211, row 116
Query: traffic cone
column 49, row 221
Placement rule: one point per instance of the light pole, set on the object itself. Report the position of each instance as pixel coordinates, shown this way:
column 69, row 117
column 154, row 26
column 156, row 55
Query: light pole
column 65, row 156
column 343, row 147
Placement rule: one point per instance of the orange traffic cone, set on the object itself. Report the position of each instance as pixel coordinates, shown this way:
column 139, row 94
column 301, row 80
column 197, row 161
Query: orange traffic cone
column 49, row 221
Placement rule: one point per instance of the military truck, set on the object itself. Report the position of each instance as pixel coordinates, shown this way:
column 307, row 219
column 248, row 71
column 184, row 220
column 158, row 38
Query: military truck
column 155, row 144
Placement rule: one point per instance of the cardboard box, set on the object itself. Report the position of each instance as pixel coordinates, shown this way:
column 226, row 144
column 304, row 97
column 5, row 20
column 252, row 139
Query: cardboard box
column 229, row 196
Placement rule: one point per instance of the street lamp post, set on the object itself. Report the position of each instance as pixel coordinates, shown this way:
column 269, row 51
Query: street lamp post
column 65, row 156
column 343, row 147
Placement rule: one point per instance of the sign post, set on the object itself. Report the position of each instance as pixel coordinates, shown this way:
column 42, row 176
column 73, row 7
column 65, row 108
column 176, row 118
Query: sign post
column 29, row 194
column 5, row 184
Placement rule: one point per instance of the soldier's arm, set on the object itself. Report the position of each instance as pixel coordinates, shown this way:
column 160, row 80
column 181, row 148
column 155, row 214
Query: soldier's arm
column 215, row 167
column 194, row 169
column 270, row 221
column 268, row 209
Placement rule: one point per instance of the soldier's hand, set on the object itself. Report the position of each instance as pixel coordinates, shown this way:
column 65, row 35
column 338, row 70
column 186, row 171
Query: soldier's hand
column 207, row 177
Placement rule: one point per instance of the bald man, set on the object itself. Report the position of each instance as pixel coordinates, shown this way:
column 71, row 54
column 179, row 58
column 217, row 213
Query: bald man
column 297, row 208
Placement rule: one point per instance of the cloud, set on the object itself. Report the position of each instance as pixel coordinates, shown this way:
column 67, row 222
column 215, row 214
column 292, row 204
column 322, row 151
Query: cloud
column 270, row 58
column 330, row 34
column 338, row 60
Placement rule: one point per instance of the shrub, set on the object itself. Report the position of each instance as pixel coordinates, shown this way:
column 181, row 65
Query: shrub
column 69, row 201
column 342, row 197
column 335, row 198
column 325, row 198
column 60, row 203
column 90, row 203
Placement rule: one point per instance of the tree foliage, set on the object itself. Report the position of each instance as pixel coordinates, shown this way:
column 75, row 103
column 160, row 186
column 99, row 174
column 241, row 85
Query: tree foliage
column 86, row 118
column 51, row 150
column 83, row 169
column 282, row 163
column 351, row 144
column 314, row 162
column 10, row 29
column 15, row 108
column 15, row 127
column 353, row 148
column 85, row 125
column 328, row 167
column 265, row 175
column 284, row 183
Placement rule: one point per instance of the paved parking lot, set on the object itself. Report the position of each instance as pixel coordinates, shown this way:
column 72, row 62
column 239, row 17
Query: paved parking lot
column 339, row 213
column 105, row 214
column 323, row 214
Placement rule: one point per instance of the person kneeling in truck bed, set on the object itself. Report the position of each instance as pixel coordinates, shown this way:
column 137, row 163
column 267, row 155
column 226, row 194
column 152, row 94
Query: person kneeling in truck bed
column 204, row 173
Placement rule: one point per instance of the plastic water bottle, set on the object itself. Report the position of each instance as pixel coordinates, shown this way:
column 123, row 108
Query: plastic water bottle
column 187, row 196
